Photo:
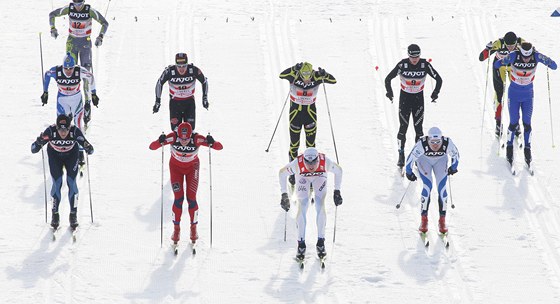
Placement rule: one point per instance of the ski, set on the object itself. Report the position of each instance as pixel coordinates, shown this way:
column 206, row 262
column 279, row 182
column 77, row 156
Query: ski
column 175, row 249
column 425, row 240
column 322, row 261
column 74, row 233
column 511, row 167
column 54, row 231
column 301, row 261
column 530, row 169
column 193, row 244
column 401, row 170
column 445, row 240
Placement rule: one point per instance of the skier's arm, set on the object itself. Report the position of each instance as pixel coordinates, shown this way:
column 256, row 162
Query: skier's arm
column 41, row 140
column 453, row 153
column 203, row 80
column 490, row 49
column 200, row 140
column 47, row 79
column 435, row 75
column 337, row 170
column 289, row 74
column 57, row 13
column 286, row 171
column 87, row 76
column 99, row 18
column 162, row 80
column 416, row 152
column 327, row 78
column 546, row 60
column 81, row 139
column 169, row 139
column 390, row 77
column 508, row 59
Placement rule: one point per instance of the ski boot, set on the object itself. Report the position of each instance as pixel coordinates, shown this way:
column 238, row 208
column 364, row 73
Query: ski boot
column 424, row 224
column 176, row 236
column 301, row 250
column 73, row 220
column 498, row 131
column 400, row 162
column 509, row 154
column 321, row 252
column 55, row 220
column 292, row 180
column 528, row 157
column 194, row 234
column 442, row 226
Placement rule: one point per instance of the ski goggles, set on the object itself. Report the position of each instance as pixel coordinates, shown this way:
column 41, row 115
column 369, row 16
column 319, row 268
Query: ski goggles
column 182, row 66
column 435, row 141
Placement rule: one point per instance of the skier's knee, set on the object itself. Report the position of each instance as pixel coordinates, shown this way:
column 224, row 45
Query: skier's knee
column 527, row 127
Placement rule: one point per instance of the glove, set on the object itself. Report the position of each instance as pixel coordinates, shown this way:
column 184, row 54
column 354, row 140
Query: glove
column 210, row 140
column 162, row 139
column 411, row 176
column 285, row 202
column 434, row 96
column 390, row 96
column 94, row 99
column 54, row 32
column 87, row 112
column 298, row 66
column 88, row 148
column 41, row 140
column 99, row 40
column 337, row 198
column 205, row 103
column 451, row 171
column 45, row 98
column 322, row 72
column 489, row 45
column 157, row 105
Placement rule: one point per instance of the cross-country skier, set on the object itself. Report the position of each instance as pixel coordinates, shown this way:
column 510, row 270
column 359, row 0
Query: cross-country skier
column 182, row 81
column 304, row 85
column 63, row 140
column 68, row 77
column 184, row 166
column 523, row 68
column 412, row 71
column 78, row 44
column 310, row 170
column 431, row 155
column 501, row 47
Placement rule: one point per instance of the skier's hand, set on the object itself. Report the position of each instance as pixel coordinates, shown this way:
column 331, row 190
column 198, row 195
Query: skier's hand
column 337, row 198
column 434, row 96
column 545, row 60
column 390, row 96
column 155, row 109
column 45, row 98
column 489, row 45
column 94, row 99
column 285, row 202
column 322, row 72
column 451, row 171
column 205, row 103
column 99, row 40
column 88, row 148
column 162, row 138
column 54, row 32
column 210, row 140
column 41, row 140
column 298, row 66
column 411, row 176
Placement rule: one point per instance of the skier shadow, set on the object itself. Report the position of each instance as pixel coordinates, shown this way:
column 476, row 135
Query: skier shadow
column 37, row 265
column 162, row 286
column 154, row 212
column 423, row 267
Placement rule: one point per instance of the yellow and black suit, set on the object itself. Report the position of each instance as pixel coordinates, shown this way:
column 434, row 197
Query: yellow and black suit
column 303, row 94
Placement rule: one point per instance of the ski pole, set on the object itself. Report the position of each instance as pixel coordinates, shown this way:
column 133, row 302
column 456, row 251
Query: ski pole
column 279, row 117
column 89, row 188
column 210, row 173
column 330, row 122
column 41, row 53
column 285, row 224
column 451, row 196
column 107, row 9
column 161, row 205
column 404, row 194
column 44, row 183
column 550, row 108
column 484, row 100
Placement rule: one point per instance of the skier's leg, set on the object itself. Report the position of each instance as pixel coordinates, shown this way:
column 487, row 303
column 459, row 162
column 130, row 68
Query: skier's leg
column 84, row 46
column 425, row 172
column 192, row 187
column 175, row 116
column 295, row 129
column 176, row 178
column 303, row 199
column 440, row 172
column 418, row 115
column 320, row 190
column 72, row 47
column 498, row 80
column 514, row 105
column 404, row 116
column 71, row 166
column 189, row 114
column 55, row 167
column 310, row 125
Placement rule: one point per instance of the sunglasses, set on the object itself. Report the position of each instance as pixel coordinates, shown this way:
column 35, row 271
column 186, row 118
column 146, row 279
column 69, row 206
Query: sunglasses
column 435, row 141
column 182, row 66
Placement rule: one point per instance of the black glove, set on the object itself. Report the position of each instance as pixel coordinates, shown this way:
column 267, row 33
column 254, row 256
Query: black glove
column 451, row 171
column 298, row 66
column 99, row 40
column 88, row 148
column 162, row 139
column 157, row 105
column 390, row 96
column 411, row 177
column 434, row 96
column 87, row 112
column 285, row 202
column 41, row 141
column 205, row 103
column 94, row 99
column 337, row 198
column 322, row 72
column 210, row 140
column 54, row 32
column 45, row 98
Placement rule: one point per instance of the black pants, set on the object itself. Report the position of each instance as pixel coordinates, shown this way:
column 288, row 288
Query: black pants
column 410, row 104
column 306, row 117
column 180, row 111
column 69, row 161
column 499, row 79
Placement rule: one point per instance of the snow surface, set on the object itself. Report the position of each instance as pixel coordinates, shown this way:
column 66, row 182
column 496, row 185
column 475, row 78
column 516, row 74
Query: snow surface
column 504, row 232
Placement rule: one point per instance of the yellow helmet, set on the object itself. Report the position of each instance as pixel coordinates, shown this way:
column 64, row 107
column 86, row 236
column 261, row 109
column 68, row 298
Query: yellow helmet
column 306, row 71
